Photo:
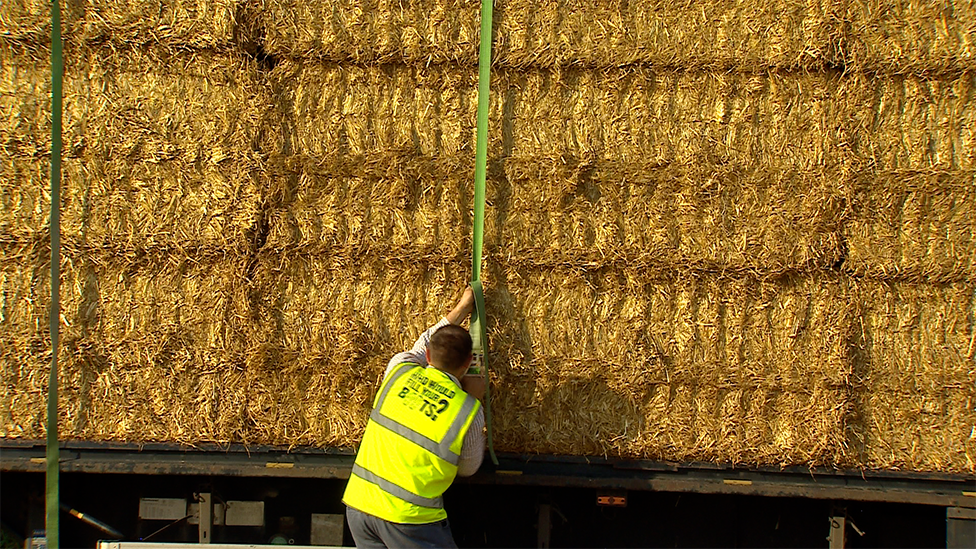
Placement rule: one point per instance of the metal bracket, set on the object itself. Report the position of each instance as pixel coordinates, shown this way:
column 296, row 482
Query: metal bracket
column 838, row 529
column 206, row 516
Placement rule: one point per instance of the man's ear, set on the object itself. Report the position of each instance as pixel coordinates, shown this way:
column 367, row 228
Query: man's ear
column 467, row 364
column 427, row 355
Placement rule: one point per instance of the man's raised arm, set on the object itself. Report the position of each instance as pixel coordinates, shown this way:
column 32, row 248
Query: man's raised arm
column 417, row 354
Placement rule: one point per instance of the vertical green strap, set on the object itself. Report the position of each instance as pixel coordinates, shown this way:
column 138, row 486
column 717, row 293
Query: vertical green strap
column 53, row 457
column 481, row 151
column 478, row 321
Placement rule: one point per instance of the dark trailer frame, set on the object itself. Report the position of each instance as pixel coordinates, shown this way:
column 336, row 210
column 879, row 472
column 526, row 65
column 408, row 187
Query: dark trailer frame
column 514, row 469
column 957, row 493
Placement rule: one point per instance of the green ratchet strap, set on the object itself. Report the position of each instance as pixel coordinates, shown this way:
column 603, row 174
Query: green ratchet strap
column 479, row 338
column 479, row 346
column 57, row 73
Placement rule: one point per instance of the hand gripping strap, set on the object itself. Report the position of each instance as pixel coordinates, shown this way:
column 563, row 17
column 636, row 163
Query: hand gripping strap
column 479, row 350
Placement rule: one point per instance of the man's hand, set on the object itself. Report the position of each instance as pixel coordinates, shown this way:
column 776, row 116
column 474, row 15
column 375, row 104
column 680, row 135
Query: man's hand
column 474, row 385
column 464, row 307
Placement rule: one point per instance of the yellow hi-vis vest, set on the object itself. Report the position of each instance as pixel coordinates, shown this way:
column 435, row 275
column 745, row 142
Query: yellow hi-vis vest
column 410, row 451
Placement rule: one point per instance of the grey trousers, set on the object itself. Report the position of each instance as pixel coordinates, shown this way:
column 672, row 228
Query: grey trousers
column 371, row 532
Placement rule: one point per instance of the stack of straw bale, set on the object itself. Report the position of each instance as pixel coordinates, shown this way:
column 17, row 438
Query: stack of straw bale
column 148, row 346
column 687, row 368
column 158, row 148
column 717, row 231
column 160, row 210
column 687, row 203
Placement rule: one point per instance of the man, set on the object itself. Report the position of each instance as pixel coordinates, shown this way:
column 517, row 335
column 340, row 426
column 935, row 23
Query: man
column 426, row 427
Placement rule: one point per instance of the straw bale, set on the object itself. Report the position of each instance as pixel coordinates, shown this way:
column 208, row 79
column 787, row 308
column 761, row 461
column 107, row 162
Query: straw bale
column 913, row 123
column 711, row 330
column 899, row 36
column 25, row 344
column 334, row 110
column 188, row 23
column 108, row 203
column 564, row 412
column 148, row 344
column 383, row 205
column 914, row 376
column 380, row 30
column 915, row 338
column 918, row 36
column 323, row 330
column 135, row 104
column 756, row 426
column 23, row 280
column 920, row 431
column 627, row 115
column 30, row 20
column 723, row 218
column 307, row 301
column 23, row 399
column 24, row 366
column 915, row 225
column 717, row 33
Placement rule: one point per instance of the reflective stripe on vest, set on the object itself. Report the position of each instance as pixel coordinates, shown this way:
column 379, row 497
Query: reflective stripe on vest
column 409, row 457
column 393, row 489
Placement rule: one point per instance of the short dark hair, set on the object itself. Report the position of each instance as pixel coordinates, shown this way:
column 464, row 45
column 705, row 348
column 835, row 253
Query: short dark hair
column 450, row 347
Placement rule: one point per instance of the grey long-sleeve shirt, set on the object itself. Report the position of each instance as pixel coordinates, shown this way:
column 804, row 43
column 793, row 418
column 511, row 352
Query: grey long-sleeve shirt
column 473, row 445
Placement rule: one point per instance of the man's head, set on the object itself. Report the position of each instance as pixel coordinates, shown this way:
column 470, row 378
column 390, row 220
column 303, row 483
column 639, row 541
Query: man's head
column 449, row 349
